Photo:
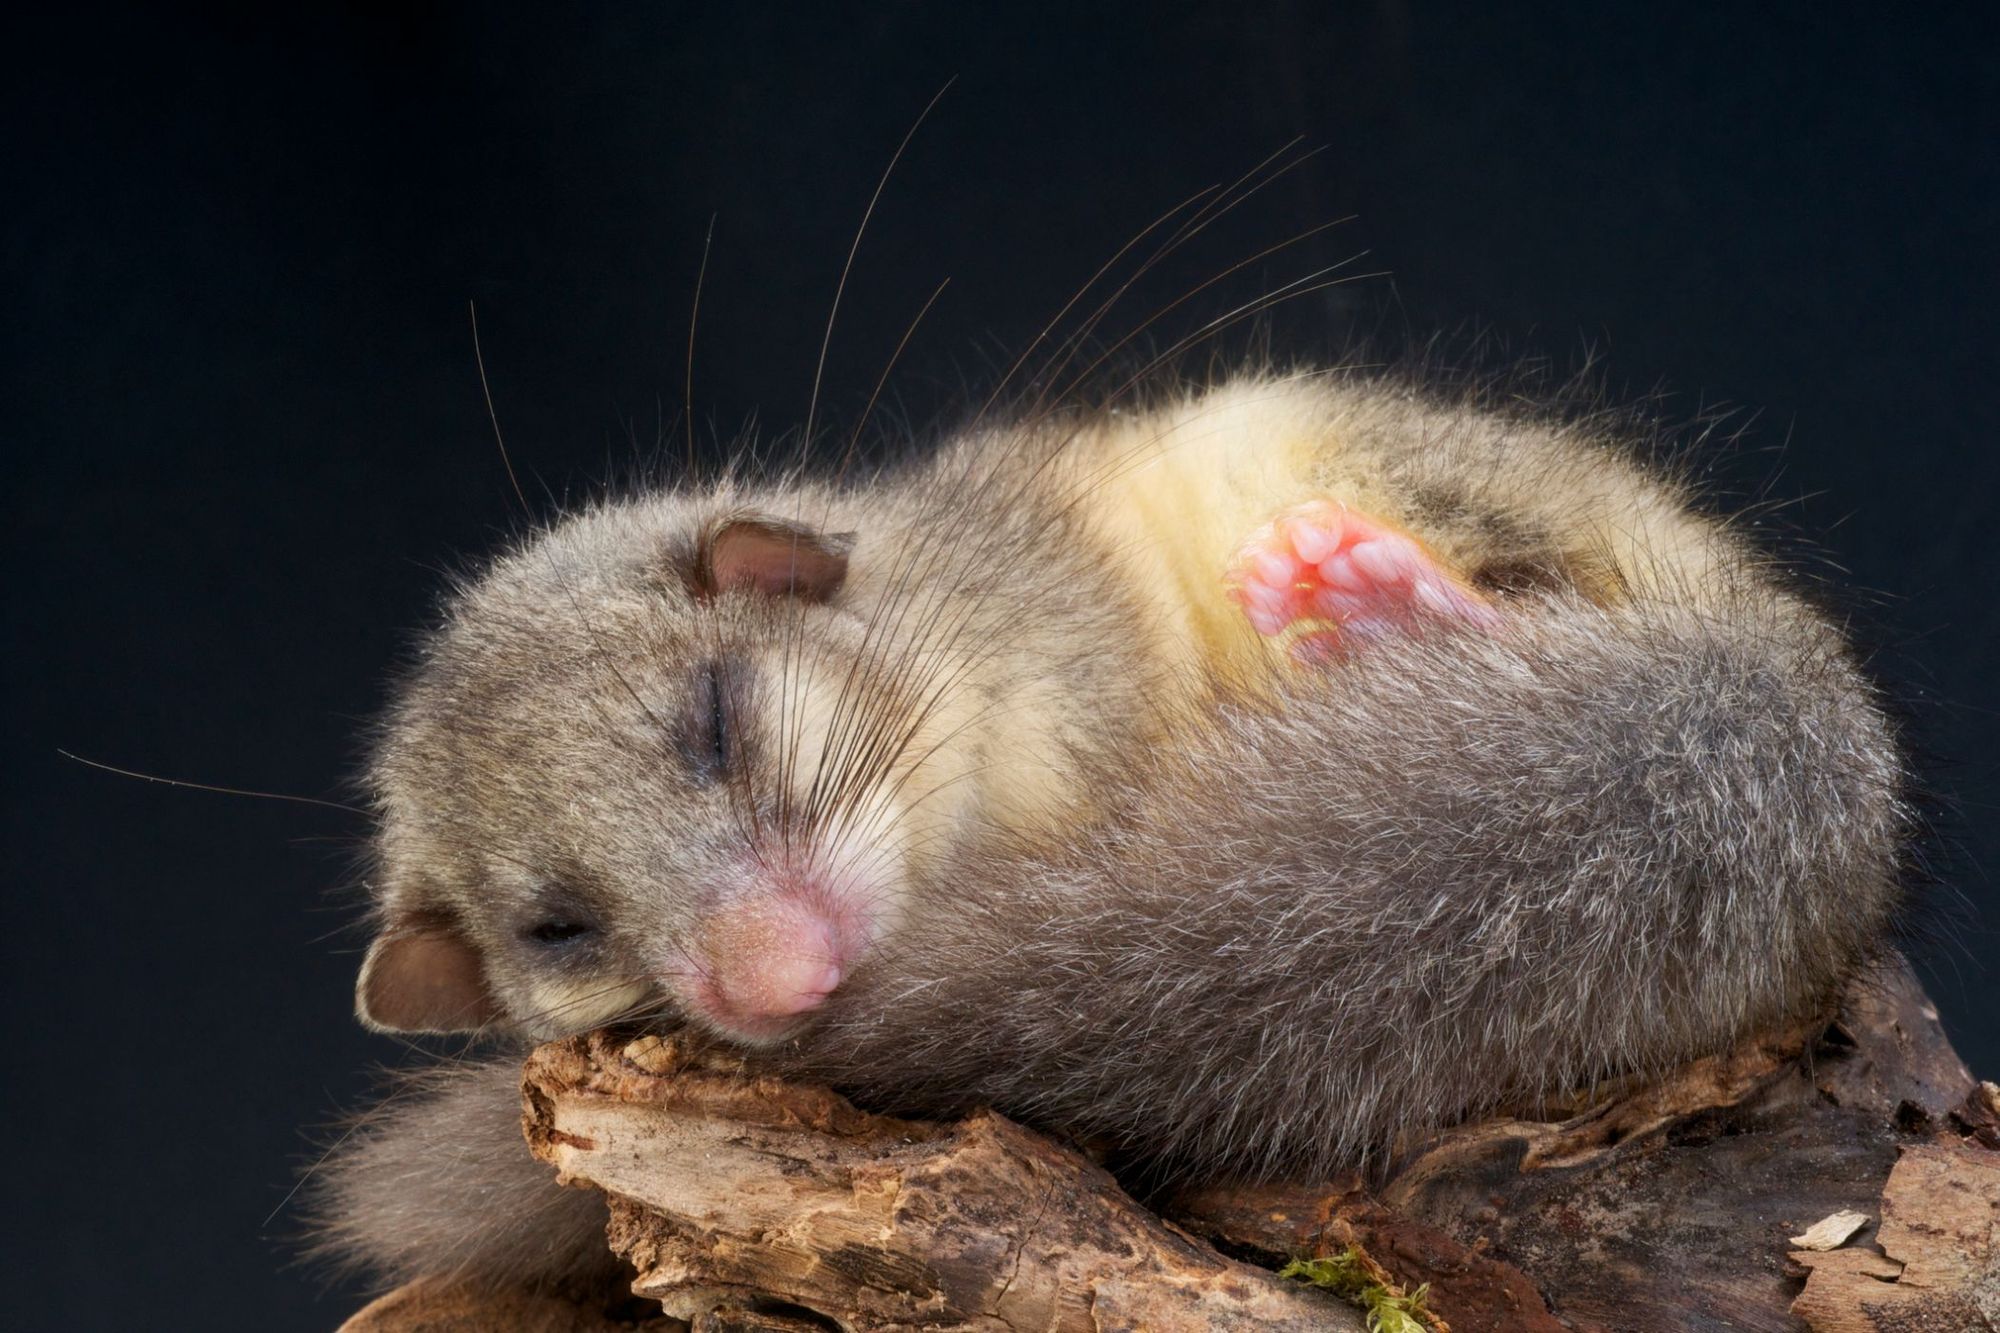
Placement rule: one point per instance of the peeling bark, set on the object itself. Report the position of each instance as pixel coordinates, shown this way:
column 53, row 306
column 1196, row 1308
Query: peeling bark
column 869, row 1221
column 1935, row 1265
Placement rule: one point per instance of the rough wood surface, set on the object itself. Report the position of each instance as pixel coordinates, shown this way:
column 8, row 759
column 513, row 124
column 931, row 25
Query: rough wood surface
column 730, row 1189
column 746, row 1203
column 1938, row 1263
column 1661, row 1208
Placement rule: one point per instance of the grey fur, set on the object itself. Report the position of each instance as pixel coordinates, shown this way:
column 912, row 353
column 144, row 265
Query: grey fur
column 1269, row 926
column 437, row 1182
column 1482, row 873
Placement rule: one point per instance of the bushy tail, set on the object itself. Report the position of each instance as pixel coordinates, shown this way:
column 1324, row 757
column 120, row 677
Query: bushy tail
column 437, row 1182
column 1465, row 871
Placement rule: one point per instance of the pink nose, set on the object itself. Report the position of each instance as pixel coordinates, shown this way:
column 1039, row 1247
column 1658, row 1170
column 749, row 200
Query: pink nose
column 768, row 960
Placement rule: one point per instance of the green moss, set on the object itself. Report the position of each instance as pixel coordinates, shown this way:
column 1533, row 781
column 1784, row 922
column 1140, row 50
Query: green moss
column 1350, row 1276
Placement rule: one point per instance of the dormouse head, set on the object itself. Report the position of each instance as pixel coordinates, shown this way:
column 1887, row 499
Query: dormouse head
column 666, row 758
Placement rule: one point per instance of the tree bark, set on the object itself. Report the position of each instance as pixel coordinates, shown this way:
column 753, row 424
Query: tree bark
column 866, row 1220
column 747, row 1203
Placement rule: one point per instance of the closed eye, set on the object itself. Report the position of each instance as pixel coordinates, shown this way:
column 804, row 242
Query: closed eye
column 558, row 921
column 558, row 931
column 710, row 744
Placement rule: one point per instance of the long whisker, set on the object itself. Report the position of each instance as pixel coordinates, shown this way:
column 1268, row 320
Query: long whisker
column 479, row 359
column 694, row 314
column 998, row 389
column 1244, row 188
column 210, row 786
column 840, row 289
column 1083, row 376
column 854, row 439
column 1290, row 291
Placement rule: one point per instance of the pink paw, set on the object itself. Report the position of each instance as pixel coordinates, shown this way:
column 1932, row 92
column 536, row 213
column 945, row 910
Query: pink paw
column 1322, row 561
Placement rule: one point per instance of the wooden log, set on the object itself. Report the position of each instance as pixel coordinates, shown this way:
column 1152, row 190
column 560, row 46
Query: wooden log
column 747, row 1203
column 734, row 1190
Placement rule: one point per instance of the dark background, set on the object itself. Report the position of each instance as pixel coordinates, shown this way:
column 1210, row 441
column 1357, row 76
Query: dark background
column 244, row 424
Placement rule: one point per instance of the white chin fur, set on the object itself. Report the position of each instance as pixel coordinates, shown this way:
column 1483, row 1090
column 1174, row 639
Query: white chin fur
column 562, row 1007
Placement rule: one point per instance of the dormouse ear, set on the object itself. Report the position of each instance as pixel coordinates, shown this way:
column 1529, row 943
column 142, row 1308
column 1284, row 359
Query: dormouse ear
column 774, row 557
column 423, row 976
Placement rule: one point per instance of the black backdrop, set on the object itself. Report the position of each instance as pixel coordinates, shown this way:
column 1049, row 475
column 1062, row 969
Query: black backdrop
column 244, row 426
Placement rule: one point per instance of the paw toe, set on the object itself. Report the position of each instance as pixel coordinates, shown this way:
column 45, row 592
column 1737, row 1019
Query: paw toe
column 1320, row 561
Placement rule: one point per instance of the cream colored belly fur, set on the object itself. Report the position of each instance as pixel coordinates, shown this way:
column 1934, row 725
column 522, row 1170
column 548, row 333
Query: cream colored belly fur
column 1178, row 490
